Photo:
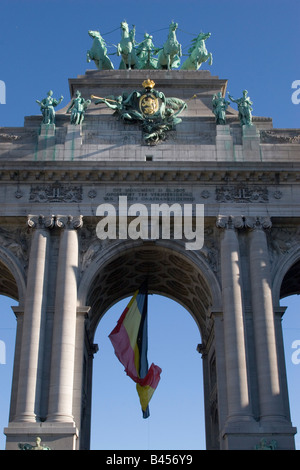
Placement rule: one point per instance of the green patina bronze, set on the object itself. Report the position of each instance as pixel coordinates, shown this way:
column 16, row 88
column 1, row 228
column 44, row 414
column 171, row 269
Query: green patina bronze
column 219, row 107
column 145, row 51
column 198, row 53
column 169, row 55
column 47, row 106
column 156, row 114
column 98, row 52
column 265, row 445
column 244, row 107
column 37, row 446
column 126, row 48
column 77, row 108
column 143, row 55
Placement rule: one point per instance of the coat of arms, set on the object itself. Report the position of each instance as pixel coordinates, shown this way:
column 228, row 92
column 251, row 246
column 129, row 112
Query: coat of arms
column 156, row 113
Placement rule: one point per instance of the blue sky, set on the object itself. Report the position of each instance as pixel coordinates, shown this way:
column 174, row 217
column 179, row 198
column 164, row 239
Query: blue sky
column 255, row 45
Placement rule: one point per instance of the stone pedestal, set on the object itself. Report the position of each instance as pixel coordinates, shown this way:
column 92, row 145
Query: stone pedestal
column 57, row 436
column 224, row 143
column 73, row 141
column 46, row 142
column 247, row 437
column 251, row 142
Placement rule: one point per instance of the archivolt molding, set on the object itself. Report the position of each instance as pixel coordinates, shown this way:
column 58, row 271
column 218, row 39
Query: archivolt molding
column 12, row 273
column 284, row 262
column 117, row 271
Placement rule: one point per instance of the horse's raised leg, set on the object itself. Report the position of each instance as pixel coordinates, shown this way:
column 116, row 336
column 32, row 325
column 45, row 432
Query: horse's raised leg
column 129, row 61
column 168, row 61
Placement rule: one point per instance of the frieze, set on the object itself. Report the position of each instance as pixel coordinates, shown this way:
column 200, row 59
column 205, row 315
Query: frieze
column 241, row 194
column 279, row 136
column 57, row 192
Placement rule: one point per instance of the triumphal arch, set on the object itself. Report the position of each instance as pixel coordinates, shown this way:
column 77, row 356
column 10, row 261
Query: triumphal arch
column 127, row 141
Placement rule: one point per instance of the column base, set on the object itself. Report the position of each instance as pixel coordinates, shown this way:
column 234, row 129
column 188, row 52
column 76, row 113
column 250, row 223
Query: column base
column 57, row 436
column 250, row 436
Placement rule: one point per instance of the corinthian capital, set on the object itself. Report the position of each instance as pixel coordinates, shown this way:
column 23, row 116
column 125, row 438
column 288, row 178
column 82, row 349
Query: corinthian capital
column 258, row 223
column 69, row 221
column 40, row 221
column 230, row 222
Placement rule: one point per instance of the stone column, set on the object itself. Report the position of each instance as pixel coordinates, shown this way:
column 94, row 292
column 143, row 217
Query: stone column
column 270, row 398
column 234, row 334
column 30, row 373
column 64, row 328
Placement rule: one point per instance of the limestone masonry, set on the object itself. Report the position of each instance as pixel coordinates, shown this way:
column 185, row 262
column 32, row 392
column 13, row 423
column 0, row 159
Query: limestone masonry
column 53, row 178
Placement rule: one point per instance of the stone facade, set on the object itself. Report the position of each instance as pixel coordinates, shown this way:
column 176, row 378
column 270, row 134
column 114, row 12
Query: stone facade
column 52, row 179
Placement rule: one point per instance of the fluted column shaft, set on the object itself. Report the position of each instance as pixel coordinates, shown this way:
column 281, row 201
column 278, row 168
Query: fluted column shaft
column 234, row 333
column 270, row 398
column 30, row 373
column 64, row 328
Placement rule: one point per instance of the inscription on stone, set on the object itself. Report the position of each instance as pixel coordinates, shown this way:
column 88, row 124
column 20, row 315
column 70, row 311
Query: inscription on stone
column 150, row 194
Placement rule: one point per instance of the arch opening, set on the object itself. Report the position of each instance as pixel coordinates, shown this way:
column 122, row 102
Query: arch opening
column 182, row 278
column 8, row 285
column 8, row 329
column 168, row 272
column 289, row 298
column 12, row 287
column 177, row 408
column 291, row 281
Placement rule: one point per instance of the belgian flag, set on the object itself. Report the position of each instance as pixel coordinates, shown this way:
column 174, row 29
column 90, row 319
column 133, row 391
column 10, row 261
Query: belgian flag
column 130, row 341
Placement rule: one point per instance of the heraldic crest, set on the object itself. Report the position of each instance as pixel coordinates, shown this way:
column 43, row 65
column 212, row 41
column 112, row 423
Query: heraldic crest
column 156, row 114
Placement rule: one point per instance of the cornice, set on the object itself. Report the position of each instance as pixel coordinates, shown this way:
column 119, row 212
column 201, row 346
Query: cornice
column 151, row 172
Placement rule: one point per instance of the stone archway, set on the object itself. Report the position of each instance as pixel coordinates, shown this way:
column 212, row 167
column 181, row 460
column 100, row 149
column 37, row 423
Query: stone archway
column 170, row 272
column 286, row 283
column 12, row 277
